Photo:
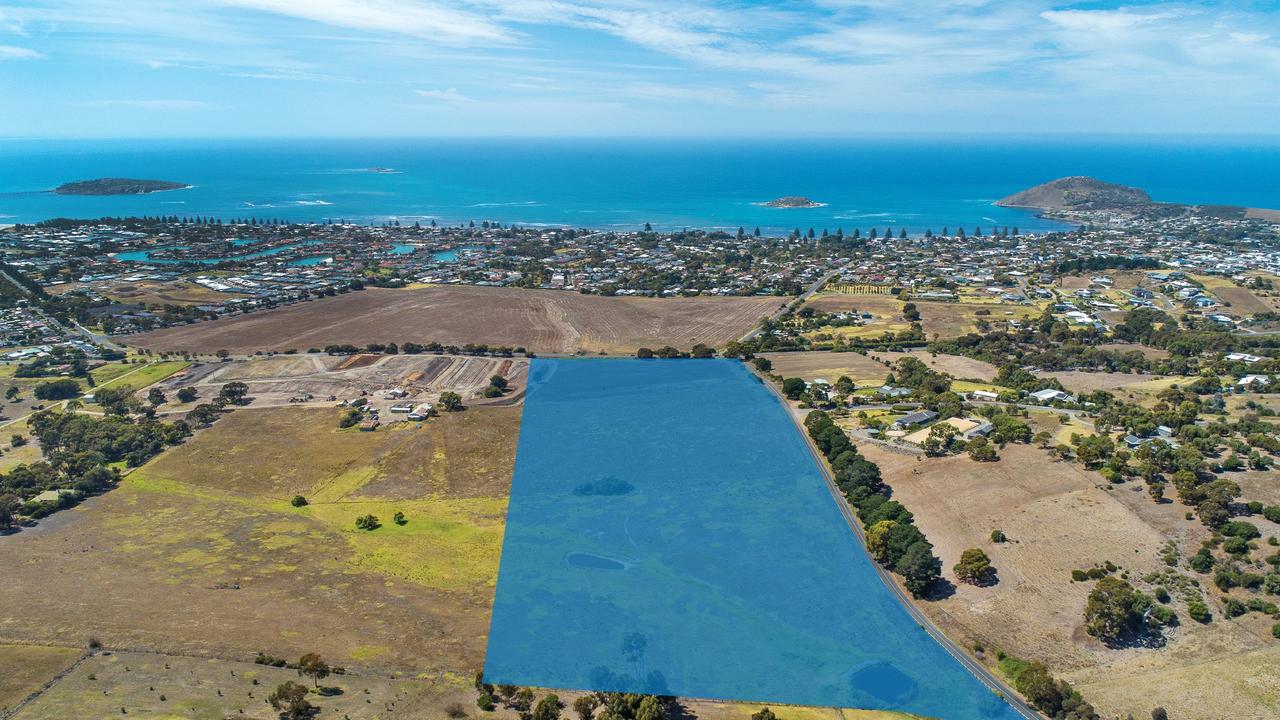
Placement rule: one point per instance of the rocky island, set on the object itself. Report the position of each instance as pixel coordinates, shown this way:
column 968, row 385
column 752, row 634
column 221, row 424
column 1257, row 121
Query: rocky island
column 117, row 186
column 793, row 201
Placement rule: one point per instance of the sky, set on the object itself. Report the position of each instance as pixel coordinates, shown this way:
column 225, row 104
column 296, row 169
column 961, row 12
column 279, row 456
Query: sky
column 374, row 68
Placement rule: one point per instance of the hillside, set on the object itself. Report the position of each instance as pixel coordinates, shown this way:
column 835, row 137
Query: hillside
column 1078, row 193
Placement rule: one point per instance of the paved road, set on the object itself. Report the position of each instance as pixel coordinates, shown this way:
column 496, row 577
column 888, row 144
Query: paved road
column 980, row 672
column 813, row 289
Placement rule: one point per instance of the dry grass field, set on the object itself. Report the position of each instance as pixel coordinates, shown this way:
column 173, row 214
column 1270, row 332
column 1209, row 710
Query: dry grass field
column 160, row 686
column 829, row 365
column 957, row 366
column 1059, row 518
column 25, row 669
column 941, row 319
column 1238, row 300
column 544, row 321
column 1146, row 350
column 1080, row 381
column 201, row 553
column 153, row 294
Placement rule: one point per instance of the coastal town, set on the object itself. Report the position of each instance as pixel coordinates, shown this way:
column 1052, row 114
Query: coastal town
column 131, row 275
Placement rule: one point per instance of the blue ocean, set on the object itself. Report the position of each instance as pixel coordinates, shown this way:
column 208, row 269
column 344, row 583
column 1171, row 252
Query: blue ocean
column 897, row 183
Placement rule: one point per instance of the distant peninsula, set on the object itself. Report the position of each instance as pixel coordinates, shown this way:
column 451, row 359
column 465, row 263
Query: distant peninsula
column 1076, row 196
column 117, row 186
column 792, row 202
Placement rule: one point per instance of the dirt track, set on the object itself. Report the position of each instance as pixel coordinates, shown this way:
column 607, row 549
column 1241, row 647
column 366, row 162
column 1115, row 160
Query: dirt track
column 543, row 321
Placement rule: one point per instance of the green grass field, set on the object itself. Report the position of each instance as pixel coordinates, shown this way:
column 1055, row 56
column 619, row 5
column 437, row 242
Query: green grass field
column 139, row 376
column 207, row 531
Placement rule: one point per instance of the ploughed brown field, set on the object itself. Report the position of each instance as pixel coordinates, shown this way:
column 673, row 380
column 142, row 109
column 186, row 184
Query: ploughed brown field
column 545, row 321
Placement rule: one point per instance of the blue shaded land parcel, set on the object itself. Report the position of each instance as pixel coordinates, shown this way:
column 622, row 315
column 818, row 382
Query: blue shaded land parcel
column 670, row 533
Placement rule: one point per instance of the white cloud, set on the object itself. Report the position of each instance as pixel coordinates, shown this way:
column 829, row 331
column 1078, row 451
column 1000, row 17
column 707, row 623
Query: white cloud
column 9, row 52
column 425, row 20
column 448, row 95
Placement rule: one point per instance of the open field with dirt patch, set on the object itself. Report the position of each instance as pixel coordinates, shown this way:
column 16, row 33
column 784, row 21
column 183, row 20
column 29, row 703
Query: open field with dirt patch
column 1058, row 518
column 201, row 552
column 152, row 294
column 281, row 379
column 957, row 366
column 829, row 365
column 943, row 319
column 1147, row 351
column 1080, row 381
column 544, row 321
column 24, row 669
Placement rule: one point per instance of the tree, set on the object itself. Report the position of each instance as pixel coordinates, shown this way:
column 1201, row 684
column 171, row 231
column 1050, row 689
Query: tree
column 187, row 394
column 63, row 389
column 877, row 536
column 368, row 522
column 313, row 667
column 982, row 450
column 156, row 397
column 450, row 401
column 234, row 392
column 793, row 388
column 499, row 382
column 548, row 708
column 939, row 438
column 291, row 700
column 763, row 364
column 919, row 568
column 585, row 706
column 910, row 312
column 974, row 566
column 1159, row 714
column 764, row 714
column 1108, row 613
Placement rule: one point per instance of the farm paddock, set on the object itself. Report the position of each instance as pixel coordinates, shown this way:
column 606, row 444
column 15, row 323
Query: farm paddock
column 543, row 321
column 1060, row 518
column 202, row 553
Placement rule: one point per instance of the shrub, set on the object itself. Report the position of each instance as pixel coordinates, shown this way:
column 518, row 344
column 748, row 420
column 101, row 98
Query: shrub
column 1199, row 611
column 298, row 501
column 485, row 702
column 368, row 522
column 1234, row 608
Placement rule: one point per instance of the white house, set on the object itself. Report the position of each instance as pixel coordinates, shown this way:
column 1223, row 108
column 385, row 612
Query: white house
column 1249, row 382
column 1049, row 395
